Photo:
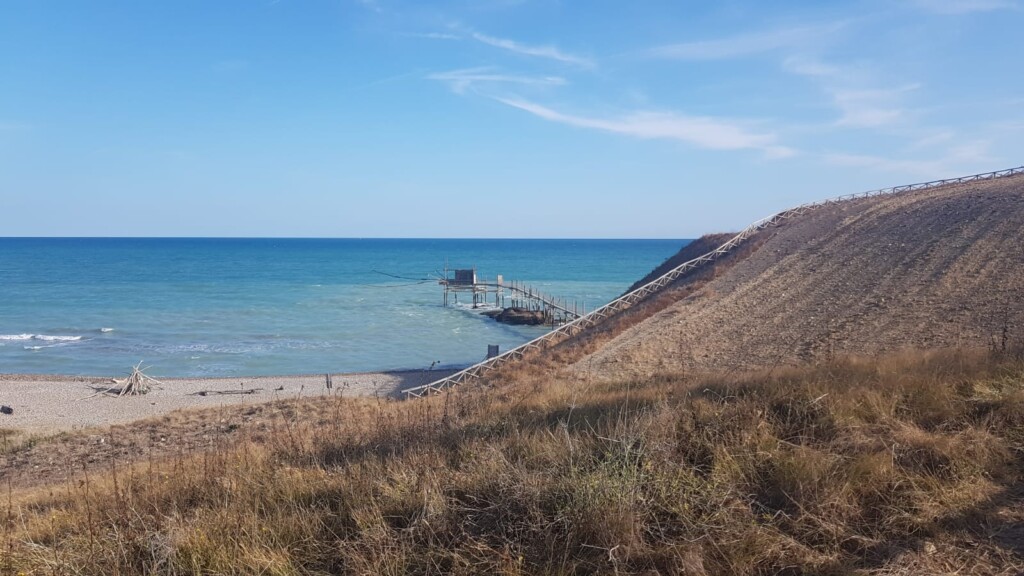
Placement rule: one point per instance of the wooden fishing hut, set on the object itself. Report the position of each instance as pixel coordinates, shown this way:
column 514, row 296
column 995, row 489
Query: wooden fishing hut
column 465, row 281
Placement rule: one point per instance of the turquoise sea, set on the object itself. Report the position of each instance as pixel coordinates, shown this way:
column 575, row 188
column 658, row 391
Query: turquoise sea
column 246, row 307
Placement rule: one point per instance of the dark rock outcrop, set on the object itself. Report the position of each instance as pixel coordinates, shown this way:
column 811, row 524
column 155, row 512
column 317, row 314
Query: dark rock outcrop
column 519, row 316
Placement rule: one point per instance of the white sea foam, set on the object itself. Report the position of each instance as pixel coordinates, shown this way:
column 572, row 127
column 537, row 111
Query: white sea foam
column 105, row 330
column 56, row 340
column 43, row 337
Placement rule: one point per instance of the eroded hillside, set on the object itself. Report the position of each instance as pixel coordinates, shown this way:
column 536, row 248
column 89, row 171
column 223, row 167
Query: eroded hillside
column 935, row 268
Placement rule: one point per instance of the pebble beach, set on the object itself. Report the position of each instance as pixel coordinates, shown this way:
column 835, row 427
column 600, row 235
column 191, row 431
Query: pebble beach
column 49, row 404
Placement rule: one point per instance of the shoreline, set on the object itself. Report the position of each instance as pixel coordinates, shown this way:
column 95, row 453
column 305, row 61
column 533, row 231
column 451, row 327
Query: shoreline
column 47, row 377
column 51, row 403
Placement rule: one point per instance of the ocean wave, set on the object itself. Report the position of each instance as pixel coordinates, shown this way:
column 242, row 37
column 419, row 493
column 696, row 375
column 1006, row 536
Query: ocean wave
column 54, row 341
column 57, row 340
column 105, row 330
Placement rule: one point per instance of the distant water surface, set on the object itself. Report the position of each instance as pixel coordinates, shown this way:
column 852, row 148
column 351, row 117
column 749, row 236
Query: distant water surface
column 234, row 307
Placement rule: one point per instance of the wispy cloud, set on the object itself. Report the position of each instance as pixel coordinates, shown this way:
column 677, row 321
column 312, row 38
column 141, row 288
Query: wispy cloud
column 700, row 131
column 370, row 4
column 922, row 168
column 933, row 138
column 460, row 80
column 744, row 44
column 807, row 66
column 954, row 7
column 549, row 52
column 972, row 151
column 854, row 93
column 871, row 108
column 434, row 35
column 972, row 155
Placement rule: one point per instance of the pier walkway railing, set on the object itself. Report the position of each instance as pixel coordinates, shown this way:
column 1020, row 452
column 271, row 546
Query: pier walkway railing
column 629, row 299
column 531, row 294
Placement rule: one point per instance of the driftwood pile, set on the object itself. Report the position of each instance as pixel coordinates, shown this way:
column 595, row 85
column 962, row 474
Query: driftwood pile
column 136, row 384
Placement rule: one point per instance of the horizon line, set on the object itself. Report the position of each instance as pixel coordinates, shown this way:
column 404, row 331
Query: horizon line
column 624, row 238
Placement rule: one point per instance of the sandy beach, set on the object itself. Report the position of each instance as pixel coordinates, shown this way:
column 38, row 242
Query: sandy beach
column 46, row 404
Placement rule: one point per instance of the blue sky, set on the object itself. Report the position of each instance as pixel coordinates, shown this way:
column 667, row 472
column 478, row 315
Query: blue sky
column 488, row 118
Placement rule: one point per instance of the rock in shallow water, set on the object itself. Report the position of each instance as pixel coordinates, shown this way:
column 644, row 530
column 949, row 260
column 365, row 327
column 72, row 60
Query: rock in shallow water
column 521, row 317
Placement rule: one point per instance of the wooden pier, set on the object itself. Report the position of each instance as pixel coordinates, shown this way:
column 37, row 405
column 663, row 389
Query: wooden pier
column 501, row 294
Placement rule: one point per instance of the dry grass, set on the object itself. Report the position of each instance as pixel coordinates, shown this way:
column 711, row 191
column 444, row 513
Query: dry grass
column 10, row 439
column 911, row 463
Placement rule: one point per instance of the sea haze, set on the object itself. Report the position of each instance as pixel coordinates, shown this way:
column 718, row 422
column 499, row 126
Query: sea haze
column 245, row 307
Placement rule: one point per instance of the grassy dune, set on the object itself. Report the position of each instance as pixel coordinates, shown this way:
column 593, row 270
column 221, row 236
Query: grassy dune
column 910, row 463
